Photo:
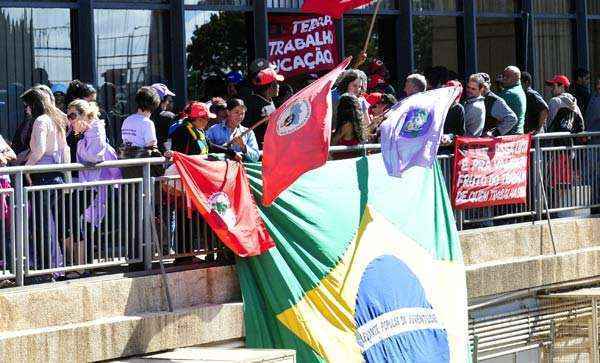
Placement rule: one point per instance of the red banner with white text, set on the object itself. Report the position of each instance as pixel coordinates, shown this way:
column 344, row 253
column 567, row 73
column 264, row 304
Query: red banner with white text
column 490, row 171
column 300, row 44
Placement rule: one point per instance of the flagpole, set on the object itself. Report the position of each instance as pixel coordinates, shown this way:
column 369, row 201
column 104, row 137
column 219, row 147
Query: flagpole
column 251, row 128
column 371, row 26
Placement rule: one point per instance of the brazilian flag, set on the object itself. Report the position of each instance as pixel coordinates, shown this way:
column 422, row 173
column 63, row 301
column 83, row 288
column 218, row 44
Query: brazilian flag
column 366, row 267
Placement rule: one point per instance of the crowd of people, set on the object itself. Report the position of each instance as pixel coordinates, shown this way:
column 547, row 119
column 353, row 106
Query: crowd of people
column 508, row 105
column 68, row 126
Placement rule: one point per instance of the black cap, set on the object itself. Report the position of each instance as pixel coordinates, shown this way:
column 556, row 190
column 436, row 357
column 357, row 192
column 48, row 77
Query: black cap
column 258, row 65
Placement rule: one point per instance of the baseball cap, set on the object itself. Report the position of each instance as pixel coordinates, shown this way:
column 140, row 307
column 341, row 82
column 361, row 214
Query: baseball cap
column 266, row 76
column 258, row 65
column 59, row 87
column 374, row 98
column 559, row 79
column 375, row 66
column 162, row 90
column 375, row 80
column 234, row 77
column 198, row 109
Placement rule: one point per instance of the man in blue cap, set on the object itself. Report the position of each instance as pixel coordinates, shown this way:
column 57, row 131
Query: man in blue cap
column 162, row 116
column 237, row 85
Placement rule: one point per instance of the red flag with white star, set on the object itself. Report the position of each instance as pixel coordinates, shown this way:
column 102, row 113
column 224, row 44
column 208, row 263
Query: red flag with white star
column 298, row 135
column 220, row 192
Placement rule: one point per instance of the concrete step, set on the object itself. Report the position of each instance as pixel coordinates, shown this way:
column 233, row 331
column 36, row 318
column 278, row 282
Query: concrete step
column 122, row 336
column 218, row 355
column 528, row 240
column 513, row 274
column 96, row 298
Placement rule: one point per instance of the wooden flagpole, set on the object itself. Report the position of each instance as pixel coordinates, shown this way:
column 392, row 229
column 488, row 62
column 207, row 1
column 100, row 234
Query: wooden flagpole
column 251, row 128
column 366, row 45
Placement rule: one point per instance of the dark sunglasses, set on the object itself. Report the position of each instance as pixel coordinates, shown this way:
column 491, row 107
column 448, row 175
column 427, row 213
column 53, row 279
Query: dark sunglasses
column 72, row 116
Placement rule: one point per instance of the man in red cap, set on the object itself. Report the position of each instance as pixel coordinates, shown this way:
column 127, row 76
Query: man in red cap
column 189, row 137
column 379, row 103
column 260, row 103
column 564, row 114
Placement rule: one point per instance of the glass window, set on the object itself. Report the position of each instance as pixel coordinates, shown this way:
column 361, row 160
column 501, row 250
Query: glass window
column 355, row 31
column 36, row 48
column 212, row 51
column 497, row 6
column 439, row 5
column 553, row 6
column 553, row 43
column 130, row 51
column 218, row 2
column 295, row 4
column 435, row 43
column 593, row 7
column 594, row 43
column 496, row 44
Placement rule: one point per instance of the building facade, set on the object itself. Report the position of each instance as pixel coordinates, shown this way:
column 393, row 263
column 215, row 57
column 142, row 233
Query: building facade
column 119, row 45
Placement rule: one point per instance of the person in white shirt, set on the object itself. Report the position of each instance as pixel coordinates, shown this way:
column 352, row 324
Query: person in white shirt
column 138, row 129
column 48, row 145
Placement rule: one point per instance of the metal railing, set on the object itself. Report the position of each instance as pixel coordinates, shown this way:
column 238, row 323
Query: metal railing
column 566, row 167
column 57, row 228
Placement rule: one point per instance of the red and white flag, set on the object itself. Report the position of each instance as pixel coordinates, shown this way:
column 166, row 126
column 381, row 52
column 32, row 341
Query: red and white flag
column 335, row 8
column 298, row 135
column 220, row 192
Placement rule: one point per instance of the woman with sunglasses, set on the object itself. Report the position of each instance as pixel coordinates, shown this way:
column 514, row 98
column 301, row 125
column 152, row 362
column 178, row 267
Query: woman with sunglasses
column 48, row 145
column 92, row 148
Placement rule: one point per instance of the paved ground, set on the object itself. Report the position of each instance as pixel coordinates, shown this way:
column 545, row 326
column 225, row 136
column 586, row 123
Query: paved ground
column 216, row 355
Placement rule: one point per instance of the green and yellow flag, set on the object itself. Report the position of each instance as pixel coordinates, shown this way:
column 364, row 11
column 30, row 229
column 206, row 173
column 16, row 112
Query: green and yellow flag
column 366, row 267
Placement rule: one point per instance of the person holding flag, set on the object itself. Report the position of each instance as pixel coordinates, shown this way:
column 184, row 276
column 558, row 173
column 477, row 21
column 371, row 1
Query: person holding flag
column 242, row 140
column 298, row 135
column 410, row 136
column 260, row 103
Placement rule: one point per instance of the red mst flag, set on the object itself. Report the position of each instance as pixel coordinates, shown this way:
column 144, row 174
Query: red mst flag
column 335, row 8
column 298, row 135
column 220, row 192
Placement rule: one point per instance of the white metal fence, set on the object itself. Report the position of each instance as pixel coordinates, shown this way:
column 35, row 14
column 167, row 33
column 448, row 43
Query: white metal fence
column 53, row 229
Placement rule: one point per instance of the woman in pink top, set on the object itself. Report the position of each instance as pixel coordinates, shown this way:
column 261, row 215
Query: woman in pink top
column 48, row 145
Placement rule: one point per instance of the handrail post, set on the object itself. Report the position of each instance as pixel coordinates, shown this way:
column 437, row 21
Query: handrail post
column 537, row 188
column 147, row 213
column 19, row 230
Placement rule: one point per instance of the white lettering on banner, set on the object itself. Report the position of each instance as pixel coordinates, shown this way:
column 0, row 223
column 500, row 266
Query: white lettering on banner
column 396, row 322
column 311, row 24
column 310, row 60
column 317, row 39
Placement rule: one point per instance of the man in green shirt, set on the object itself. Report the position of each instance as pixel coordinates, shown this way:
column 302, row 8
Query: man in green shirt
column 514, row 96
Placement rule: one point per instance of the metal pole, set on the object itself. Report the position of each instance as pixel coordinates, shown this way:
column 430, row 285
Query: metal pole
column 475, row 347
column 552, row 342
column 594, row 342
column 150, row 234
column 543, row 192
column 147, row 213
column 537, row 190
column 19, row 230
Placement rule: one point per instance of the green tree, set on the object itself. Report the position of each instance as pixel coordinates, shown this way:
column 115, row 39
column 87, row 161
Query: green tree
column 216, row 47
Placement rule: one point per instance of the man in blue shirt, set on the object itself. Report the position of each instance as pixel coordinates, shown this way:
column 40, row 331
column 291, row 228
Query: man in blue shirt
column 229, row 132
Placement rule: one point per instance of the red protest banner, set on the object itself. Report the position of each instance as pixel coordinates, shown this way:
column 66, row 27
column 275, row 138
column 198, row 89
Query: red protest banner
column 301, row 44
column 490, row 171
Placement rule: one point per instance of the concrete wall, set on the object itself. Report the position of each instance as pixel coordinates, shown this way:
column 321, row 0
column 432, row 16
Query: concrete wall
column 509, row 258
column 104, row 318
